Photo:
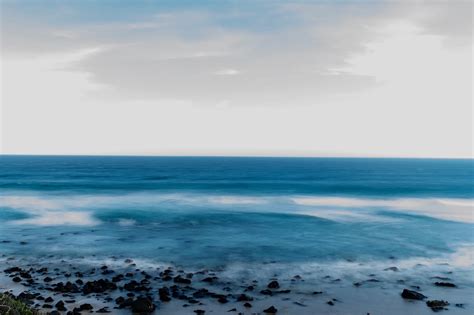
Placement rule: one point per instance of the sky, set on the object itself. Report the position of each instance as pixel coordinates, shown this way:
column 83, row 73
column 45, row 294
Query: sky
column 258, row 78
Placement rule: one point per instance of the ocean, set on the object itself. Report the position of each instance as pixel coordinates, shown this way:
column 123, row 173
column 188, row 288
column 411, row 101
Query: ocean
column 246, row 217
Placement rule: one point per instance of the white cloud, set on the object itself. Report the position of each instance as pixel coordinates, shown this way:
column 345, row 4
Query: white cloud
column 361, row 80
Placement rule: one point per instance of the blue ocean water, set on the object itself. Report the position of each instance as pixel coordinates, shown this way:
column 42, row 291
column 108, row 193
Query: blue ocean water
column 215, row 211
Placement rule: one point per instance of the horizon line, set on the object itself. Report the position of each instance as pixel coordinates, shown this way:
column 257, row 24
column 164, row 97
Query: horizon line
column 241, row 156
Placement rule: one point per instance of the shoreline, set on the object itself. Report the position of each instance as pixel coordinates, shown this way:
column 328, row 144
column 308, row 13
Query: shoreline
column 125, row 286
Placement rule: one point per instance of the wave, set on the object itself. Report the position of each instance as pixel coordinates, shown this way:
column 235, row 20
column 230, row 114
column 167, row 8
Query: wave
column 448, row 209
column 81, row 209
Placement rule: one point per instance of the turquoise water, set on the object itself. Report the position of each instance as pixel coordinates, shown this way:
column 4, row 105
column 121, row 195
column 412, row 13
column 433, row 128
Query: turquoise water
column 214, row 212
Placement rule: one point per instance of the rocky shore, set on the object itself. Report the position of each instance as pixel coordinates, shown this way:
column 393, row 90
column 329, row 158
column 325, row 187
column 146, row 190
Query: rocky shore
column 76, row 289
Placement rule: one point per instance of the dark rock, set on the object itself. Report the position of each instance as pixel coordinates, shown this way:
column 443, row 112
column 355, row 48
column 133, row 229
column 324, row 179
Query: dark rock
column 412, row 295
column 181, row 280
column 244, row 298
column 135, row 286
column 60, row 306
column 49, row 299
column 164, row 294
column 273, row 285
column 209, row 279
column 103, row 310
column 222, row 300
column 12, row 269
column 266, row 292
column 16, row 279
column 318, row 292
column 201, row 293
column 330, row 303
column 47, row 279
column 270, row 310
column 391, row 269
column 232, row 310
column 247, row 305
column 445, row 284
column 68, row 287
column 284, row 291
column 47, row 306
column 142, row 305
column 98, row 286
column 26, row 296
column 437, row 305
column 86, row 307
column 200, row 312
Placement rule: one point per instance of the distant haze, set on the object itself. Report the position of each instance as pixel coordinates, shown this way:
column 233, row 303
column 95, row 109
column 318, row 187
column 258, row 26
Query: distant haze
column 278, row 78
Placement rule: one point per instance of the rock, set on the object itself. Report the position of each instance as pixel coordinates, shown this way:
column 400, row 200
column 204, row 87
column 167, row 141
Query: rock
column 266, row 292
column 86, row 307
column 12, row 269
column 68, row 287
column 273, row 285
column 16, row 279
column 271, row 310
column 248, row 305
column 26, row 296
column 232, row 310
column 330, row 303
column 135, row 286
column 412, row 295
column 201, row 293
column 49, row 299
column 391, row 269
column 200, row 312
column 164, row 294
column 60, row 306
column 103, row 310
column 209, row 279
column 47, row 279
column 222, row 300
column 244, row 298
column 445, row 284
column 437, row 305
column 142, row 305
column 98, row 286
